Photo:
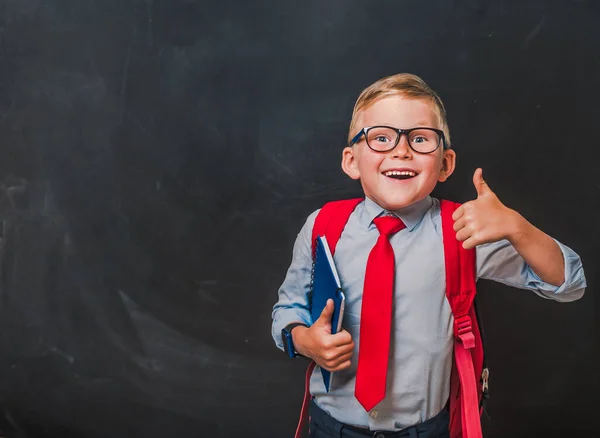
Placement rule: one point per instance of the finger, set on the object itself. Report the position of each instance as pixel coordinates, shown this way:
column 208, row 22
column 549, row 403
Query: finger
column 459, row 224
column 464, row 234
column 342, row 366
column 327, row 312
column 479, row 183
column 470, row 243
column 338, row 356
column 341, row 338
column 334, row 353
column 343, row 358
column 458, row 213
column 333, row 358
column 344, row 349
column 338, row 360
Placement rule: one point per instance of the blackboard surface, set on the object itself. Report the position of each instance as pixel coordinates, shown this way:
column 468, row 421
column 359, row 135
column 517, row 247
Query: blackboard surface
column 158, row 158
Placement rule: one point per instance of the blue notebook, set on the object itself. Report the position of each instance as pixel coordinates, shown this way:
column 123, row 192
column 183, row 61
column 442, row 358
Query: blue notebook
column 326, row 285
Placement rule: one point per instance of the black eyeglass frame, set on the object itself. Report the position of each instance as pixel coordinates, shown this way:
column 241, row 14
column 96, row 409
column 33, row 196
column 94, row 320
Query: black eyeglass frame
column 366, row 129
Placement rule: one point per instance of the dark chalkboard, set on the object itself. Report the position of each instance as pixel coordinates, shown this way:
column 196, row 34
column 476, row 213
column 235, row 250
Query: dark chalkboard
column 158, row 158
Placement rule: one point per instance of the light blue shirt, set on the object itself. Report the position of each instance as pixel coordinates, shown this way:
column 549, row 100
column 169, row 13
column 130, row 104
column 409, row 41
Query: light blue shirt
column 418, row 381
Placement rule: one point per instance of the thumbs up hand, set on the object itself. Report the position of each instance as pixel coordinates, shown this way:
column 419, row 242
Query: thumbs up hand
column 332, row 352
column 484, row 219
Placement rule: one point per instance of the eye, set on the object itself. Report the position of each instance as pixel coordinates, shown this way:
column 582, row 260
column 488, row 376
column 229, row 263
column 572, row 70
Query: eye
column 422, row 136
column 381, row 139
column 420, row 139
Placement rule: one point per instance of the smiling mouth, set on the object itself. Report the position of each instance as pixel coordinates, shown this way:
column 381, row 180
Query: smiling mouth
column 400, row 174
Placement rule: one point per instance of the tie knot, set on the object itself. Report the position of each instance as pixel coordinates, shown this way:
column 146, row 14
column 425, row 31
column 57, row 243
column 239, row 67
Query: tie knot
column 388, row 225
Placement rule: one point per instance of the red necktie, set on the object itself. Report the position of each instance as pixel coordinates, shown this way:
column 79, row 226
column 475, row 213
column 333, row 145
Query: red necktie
column 376, row 316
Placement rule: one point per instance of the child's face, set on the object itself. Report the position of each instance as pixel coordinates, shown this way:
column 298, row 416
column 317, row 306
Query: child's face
column 361, row 162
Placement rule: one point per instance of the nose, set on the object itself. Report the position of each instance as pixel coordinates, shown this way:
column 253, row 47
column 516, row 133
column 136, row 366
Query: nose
column 402, row 149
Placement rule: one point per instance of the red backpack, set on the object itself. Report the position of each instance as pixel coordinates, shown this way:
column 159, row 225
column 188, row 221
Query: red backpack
column 469, row 379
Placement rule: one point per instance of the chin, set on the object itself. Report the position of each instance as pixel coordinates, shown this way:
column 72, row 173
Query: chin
column 395, row 204
column 398, row 202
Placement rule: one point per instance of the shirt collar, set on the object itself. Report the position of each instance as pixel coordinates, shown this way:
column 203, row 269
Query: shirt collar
column 411, row 215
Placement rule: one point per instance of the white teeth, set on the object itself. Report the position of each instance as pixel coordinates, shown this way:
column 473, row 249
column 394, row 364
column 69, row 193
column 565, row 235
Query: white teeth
column 397, row 172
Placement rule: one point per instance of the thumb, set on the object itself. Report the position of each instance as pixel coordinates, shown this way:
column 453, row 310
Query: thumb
column 479, row 183
column 327, row 313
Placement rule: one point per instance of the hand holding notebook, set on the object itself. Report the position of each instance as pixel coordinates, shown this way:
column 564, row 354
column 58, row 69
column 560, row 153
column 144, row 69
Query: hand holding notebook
column 326, row 285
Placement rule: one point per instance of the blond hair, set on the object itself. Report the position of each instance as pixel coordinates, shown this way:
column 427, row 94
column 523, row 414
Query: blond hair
column 404, row 84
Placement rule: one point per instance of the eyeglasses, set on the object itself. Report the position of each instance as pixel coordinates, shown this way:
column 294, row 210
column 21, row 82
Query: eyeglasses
column 385, row 138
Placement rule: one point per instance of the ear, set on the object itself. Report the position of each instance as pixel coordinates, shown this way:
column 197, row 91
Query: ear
column 349, row 163
column 448, row 165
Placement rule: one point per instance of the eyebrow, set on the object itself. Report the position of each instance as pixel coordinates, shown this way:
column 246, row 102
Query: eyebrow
column 418, row 124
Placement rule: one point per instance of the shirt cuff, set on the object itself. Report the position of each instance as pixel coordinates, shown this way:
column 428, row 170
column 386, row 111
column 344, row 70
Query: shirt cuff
column 574, row 285
column 287, row 316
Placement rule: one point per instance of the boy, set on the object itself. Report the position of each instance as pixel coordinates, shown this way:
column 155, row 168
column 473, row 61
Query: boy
column 398, row 167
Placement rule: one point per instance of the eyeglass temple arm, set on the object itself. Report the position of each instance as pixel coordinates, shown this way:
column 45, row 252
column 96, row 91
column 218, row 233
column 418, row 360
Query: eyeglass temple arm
column 357, row 137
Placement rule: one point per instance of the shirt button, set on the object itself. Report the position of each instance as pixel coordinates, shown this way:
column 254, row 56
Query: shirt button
column 373, row 414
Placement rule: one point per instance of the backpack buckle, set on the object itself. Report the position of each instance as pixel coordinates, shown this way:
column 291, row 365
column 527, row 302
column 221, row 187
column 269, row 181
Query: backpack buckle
column 463, row 330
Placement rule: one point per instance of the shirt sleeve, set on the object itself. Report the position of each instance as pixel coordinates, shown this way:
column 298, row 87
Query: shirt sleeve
column 499, row 261
column 293, row 305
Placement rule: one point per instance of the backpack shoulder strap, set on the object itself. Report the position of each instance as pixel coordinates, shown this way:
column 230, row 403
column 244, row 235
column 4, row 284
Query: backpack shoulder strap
column 331, row 220
column 460, row 267
column 468, row 349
